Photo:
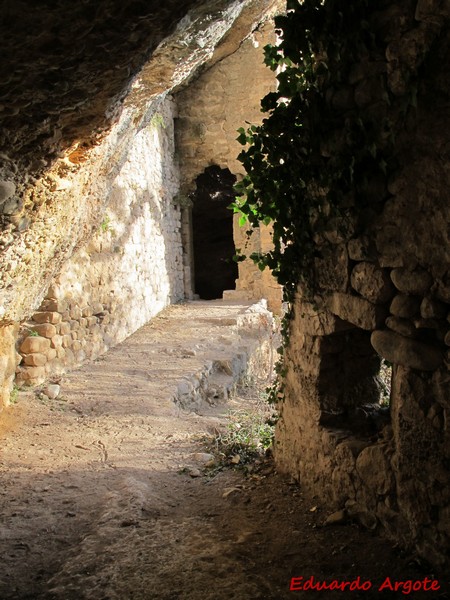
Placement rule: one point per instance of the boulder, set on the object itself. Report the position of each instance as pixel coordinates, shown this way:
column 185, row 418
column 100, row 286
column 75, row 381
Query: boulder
column 404, row 351
column 416, row 282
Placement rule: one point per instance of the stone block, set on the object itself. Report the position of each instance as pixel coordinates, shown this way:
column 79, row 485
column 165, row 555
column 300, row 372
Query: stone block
column 51, row 354
column 86, row 311
column 80, row 356
column 69, row 357
column 33, row 374
column 401, row 326
column 34, row 344
column 431, row 11
column 355, row 310
column 47, row 317
column 235, row 295
column 97, row 308
column 64, row 328
column 56, row 341
column 52, row 390
column 7, row 189
column 74, row 325
column 372, row 282
column 314, row 321
column 360, row 249
column 46, row 330
column 9, row 359
column 332, row 268
column 404, row 351
column 35, row 360
column 405, row 306
column 447, row 338
column 60, row 352
column 416, row 282
column 53, row 305
column 373, row 466
column 76, row 312
column 67, row 340
column 442, row 289
column 438, row 325
column 433, row 309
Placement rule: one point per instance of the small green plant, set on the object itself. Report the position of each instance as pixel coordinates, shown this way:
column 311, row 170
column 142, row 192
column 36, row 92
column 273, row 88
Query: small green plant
column 157, row 121
column 183, row 201
column 33, row 333
column 105, row 225
column 249, row 431
column 13, row 397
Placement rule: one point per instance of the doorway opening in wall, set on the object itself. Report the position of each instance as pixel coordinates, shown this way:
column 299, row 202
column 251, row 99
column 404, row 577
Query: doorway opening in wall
column 212, row 224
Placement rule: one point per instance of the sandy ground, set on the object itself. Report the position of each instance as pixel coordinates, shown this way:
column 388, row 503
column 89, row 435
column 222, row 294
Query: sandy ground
column 98, row 501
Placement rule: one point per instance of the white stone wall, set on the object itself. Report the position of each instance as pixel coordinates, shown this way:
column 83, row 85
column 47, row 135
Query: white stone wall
column 130, row 269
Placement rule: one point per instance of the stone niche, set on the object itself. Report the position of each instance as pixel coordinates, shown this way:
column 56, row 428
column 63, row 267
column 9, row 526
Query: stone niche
column 93, row 241
column 384, row 292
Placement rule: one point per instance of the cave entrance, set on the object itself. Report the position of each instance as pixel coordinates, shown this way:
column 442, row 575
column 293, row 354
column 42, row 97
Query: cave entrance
column 212, row 224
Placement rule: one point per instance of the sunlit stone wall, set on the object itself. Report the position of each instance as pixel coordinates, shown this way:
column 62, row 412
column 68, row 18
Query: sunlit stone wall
column 130, row 269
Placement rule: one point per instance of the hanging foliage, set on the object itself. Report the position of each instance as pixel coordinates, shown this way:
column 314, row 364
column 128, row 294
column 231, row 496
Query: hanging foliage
column 309, row 163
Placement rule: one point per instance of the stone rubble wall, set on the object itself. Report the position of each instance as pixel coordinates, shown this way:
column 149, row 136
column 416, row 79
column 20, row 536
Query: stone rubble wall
column 210, row 111
column 128, row 272
column 383, row 292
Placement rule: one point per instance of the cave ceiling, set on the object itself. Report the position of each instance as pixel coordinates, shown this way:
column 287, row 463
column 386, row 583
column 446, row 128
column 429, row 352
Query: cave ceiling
column 67, row 67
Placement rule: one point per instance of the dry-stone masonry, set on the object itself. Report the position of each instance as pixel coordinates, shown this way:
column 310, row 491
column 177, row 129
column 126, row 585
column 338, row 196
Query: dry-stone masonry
column 129, row 270
column 383, row 292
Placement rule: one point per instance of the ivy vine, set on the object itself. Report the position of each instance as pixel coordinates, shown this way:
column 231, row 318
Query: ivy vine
column 311, row 160
column 311, row 163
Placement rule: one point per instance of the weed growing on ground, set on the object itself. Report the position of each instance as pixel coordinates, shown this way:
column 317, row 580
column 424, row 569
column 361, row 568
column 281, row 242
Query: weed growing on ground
column 248, row 434
column 14, row 395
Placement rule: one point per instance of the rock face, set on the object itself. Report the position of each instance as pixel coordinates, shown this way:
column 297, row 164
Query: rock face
column 387, row 467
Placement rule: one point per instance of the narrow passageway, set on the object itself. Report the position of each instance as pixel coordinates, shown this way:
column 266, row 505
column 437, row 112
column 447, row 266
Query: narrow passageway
column 104, row 494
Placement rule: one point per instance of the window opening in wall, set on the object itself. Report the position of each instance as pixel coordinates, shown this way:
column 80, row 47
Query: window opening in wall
column 385, row 382
column 354, row 384
column 212, row 224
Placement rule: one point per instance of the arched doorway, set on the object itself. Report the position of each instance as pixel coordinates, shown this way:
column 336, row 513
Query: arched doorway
column 212, row 223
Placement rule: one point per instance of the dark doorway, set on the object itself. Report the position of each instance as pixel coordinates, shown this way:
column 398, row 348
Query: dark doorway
column 215, row 270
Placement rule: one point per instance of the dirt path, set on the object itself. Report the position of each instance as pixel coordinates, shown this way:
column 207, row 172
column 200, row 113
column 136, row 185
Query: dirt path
column 98, row 499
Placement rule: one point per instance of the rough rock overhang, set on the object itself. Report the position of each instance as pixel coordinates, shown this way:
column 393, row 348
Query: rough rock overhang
column 67, row 67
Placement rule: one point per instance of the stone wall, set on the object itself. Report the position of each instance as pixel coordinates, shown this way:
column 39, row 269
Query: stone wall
column 383, row 292
column 211, row 109
column 129, row 270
